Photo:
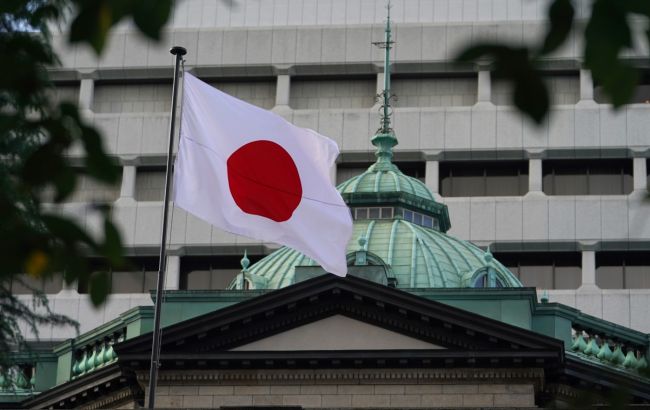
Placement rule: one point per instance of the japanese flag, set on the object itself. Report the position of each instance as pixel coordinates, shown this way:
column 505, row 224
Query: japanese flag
column 250, row 172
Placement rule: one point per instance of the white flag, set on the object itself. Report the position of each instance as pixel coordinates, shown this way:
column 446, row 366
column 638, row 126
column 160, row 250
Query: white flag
column 250, row 172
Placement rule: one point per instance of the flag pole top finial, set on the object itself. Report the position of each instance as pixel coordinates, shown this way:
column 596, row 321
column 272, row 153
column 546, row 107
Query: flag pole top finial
column 178, row 50
column 385, row 138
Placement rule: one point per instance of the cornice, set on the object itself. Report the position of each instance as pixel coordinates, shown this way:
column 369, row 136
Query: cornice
column 438, row 375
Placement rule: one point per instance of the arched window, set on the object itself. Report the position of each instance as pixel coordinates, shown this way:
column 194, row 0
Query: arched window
column 486, row 278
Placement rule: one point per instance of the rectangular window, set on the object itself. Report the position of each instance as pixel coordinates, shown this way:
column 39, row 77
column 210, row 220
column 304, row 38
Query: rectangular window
column 587, row 176
column 623, row 270
column 641, row 92
column 563, row 88
column 416, row 91
column 326, row 93
column 544, row 270
column 150, row 184
column 259, row 92
column 139, row 275
column 211, row 272
column 65, row 92
column 483, row 178
column 91, row 190
column 131, row 97
column 23, row 284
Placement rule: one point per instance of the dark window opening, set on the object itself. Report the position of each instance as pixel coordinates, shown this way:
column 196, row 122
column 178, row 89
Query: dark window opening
column 483, row 178
column 211, row 272
column 24, row 284
column 587, row 177
column 641, row 92
column 623, row 270
column 139, row 275
column 545, row 270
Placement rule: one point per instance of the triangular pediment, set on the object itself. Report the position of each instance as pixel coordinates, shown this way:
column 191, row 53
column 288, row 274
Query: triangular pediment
column 337, row 333
column 341, row 321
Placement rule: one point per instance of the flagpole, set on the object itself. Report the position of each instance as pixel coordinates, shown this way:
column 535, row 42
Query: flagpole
column 179, row 52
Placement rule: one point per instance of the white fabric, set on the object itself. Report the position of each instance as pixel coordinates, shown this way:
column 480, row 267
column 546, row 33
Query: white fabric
column 214, row 125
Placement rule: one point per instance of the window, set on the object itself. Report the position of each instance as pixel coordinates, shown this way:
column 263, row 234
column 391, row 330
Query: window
column 91, row 190
column 260, row 92
column 587, row 177
column 483, row 281
column 544, row 270
column 623, row 270
column 141, row 276
column 641, row 93
column 324, row 93
column 87, row 189
column 21, row 284
column 210, row 272
column 483, row 178
column 434, row 92
column 131, row 97
column 150, row 184
column 347, row 170
column 563, row 88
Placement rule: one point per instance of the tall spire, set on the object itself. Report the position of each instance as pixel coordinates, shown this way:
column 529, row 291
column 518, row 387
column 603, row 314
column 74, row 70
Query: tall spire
column 385, row 94
column 385, row 139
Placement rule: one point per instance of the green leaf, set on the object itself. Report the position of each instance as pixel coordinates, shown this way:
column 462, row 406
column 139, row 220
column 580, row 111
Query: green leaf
column 607, row 35
column 151, row 15
column 560, row 15
column 112, row 244
column 530, row 95
column 98, row 164
column 67, row 230
column 92, row 23
column 100, row 287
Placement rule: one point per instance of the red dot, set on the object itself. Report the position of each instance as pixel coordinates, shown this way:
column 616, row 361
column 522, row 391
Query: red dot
column 264, row 180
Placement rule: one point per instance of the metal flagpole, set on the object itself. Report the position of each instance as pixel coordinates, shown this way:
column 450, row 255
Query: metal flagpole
column 179, row 52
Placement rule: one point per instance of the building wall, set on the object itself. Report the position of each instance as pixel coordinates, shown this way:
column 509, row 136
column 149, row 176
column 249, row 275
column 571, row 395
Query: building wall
column 313, row 63
column 349, row 388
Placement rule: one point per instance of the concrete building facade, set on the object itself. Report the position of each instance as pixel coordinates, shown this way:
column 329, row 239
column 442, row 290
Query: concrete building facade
column 563, row 205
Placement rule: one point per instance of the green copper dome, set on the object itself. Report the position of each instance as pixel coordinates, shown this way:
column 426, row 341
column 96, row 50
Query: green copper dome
column 418, row 257
column 399, row 233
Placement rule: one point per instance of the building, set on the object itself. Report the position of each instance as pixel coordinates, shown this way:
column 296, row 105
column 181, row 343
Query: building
column 563, row 207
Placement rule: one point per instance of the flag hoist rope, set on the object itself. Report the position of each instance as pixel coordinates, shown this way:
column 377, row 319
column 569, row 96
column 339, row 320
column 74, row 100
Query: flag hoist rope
column 179, row 52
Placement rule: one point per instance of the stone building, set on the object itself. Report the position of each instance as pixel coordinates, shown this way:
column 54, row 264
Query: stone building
column 436, row 320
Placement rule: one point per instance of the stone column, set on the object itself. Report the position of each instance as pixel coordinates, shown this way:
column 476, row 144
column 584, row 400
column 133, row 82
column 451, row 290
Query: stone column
column 588, row 269
column 432, row 176
column 484, row 92
column 173, row 274
column 127, row 190
column 86, row 94
column 640, row 174
column 535, row 175
column 283, row 91
column 586, row 86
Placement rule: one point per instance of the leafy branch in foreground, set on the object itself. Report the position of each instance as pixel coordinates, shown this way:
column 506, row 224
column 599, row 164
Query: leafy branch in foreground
column 36, row 172
column 607, row 35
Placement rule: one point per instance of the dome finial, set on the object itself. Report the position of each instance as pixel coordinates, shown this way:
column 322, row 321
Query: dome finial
column 487, row 256
column 245, row 262
column 362, row 242
column 385, row 139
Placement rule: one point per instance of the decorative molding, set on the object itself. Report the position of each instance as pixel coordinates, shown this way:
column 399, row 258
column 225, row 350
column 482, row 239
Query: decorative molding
column 114, row 399
column 535, row 375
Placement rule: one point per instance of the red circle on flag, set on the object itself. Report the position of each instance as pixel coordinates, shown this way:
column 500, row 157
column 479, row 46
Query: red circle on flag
column 264, row 180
